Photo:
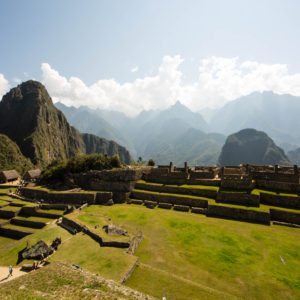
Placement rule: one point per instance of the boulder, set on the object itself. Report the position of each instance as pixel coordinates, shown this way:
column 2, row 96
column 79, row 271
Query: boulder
column 39, row 251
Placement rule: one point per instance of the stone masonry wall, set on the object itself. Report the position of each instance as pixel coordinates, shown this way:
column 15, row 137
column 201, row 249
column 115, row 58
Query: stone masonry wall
column 181, row 200
column 177, row 190
column 285, row 216
column 238, row 214
column 281, row 201
column 238, row 198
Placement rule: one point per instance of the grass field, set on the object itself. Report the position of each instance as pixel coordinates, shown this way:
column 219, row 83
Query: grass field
column 184, row 254
column 60, row 281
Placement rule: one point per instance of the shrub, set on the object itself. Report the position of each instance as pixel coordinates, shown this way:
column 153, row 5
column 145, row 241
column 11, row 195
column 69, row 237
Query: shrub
column 151, row 162
column 81, row 163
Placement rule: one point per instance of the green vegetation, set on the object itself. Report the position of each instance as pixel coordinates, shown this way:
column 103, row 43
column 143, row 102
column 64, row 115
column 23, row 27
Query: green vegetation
column 252, row 147
column 185, row 254
column 60, row 281
column 151, row 162
column 11, row 156
column 81, row 163
column 109, row 262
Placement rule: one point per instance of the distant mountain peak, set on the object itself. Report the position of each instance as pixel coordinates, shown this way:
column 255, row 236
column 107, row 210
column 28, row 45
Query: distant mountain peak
column 178, row 104
column 253, row 147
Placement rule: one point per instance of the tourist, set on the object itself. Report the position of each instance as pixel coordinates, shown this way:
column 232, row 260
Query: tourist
column 10, row 271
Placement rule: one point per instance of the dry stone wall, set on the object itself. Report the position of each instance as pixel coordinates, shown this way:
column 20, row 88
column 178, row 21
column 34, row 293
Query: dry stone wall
column 278, row 186
column 285, row 216
column 74, row 198
column 281, row 201
column 238, row 214
column 177, row 190
column 238, row 198
column 180, row 200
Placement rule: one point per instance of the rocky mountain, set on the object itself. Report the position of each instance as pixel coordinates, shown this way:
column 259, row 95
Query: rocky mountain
column 11, row 156
column 253, row 147
column 277, row 115
column 94, row 144
column 29, row 118
column 294, row 156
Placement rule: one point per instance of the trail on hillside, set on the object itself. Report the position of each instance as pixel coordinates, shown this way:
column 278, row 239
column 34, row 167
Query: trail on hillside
column 4, row 274
column 188, row 281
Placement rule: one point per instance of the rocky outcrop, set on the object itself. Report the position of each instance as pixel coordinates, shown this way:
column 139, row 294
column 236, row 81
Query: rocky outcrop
column 250, row 146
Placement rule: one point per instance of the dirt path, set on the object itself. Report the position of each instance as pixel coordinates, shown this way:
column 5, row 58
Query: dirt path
column 201, row 286
column 4, row 274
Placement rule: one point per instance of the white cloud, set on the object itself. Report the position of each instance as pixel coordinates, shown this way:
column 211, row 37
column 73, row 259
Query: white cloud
column 4, row 85
column 220, row 80
column 134, row 69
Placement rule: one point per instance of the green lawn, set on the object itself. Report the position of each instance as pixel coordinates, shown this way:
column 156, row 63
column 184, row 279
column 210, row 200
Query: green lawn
column 95, row 222
column 35, row 219
column 111, row 263
column 203, row 254
column 182, row 255
column 9, row 248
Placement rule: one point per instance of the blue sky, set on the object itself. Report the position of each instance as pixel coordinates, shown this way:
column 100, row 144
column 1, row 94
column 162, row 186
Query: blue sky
column 126, row 40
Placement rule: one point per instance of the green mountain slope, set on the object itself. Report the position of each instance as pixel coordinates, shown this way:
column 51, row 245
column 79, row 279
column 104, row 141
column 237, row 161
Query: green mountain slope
column 253, row 147
column 294, row 156
column 11, row 156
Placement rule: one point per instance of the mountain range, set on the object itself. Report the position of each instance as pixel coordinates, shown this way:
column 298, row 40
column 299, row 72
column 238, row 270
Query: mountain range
column 177, row 134
column 43, row 133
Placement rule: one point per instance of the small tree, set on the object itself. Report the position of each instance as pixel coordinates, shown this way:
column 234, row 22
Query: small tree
column 151, row 162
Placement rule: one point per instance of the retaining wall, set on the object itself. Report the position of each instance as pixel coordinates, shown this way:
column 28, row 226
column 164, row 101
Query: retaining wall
column 238, row 198
column 285, row 216
column 166, row 180
column 59, row 197
column 238, row 214
column 279, row 186
column 13, row 233
column 240, row 184
column 27, row 223
column 94, row 236
column 281, row 201
column 103, row 197
column 177, row 190
column 181, row 200
column 7, row 214
column 33, row 211
column 210, row 182
column 120, row 197
column 202, row 174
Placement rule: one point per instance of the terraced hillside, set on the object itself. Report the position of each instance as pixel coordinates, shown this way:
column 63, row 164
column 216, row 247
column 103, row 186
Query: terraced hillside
column 19, row 218
column 257, row 206
column 183, row 255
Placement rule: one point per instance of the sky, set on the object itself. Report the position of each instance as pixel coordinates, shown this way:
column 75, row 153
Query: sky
column 138, row 55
